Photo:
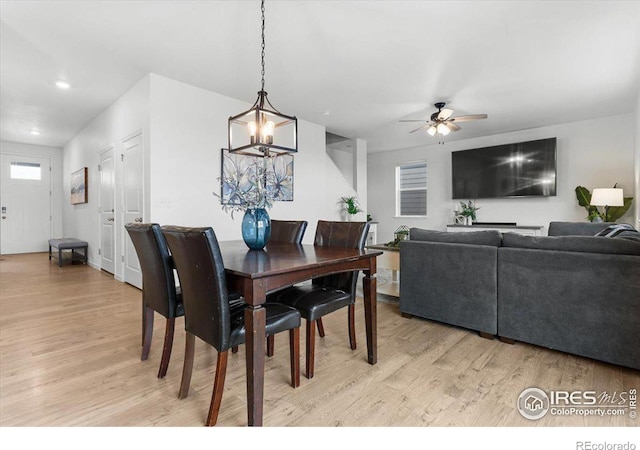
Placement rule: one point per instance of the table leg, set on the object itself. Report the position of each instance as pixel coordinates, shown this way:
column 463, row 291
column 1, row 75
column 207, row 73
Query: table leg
column 369, row 285
column 255, row 321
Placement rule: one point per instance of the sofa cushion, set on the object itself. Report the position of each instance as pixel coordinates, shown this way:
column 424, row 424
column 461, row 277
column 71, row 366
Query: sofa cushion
column 576, row 228
column 491, row 238
column 584, row 244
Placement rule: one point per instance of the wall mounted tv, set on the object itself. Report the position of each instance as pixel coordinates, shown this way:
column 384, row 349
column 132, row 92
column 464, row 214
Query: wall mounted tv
column 523, row 169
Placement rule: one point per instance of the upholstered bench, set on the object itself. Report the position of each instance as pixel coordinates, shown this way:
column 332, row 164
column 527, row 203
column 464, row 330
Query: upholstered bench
column 69, row 244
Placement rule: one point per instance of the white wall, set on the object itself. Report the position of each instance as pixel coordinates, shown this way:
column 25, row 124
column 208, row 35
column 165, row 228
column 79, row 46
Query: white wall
column 57, row 194
column 594, row 153
column 129, row 114
column 188, row 131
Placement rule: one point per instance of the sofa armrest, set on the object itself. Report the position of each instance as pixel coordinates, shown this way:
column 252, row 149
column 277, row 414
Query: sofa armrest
column 451, row 283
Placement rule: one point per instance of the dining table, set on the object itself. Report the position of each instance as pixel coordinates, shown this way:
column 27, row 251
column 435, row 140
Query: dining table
column 256, row 273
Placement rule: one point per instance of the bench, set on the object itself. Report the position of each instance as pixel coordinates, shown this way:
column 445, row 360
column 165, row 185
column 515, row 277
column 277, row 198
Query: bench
column 69, row 244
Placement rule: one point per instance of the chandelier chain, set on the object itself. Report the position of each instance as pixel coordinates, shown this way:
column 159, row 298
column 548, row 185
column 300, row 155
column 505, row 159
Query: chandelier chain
column 262, row 9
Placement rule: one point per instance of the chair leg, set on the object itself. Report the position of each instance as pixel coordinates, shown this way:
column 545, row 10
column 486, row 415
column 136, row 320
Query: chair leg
column 352, row 326
column 168, row 345
column 234, row 349
column 218, row 387
column 320, row 327
column 271, row 344
column 147, row 332
column 187, row 368
column 294, row 352
column 311, row 347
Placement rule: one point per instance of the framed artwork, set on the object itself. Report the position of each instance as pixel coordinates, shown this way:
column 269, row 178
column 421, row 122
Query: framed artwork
column 79, row 186
column 238, row 171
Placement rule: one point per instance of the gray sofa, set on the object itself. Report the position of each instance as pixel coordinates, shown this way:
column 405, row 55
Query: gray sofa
column 576, row 293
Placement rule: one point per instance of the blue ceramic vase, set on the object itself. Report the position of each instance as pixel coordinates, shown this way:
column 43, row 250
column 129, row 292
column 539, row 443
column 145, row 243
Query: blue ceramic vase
column 256, row 228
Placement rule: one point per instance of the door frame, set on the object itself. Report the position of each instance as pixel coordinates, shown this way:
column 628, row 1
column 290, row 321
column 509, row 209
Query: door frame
column 123, row 240
column 50, row 160
column 112, row 149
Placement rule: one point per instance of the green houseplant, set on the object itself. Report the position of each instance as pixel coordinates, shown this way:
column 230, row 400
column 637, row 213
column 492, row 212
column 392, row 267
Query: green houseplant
column 612, row 214
column 468, row 210
column 350, row 205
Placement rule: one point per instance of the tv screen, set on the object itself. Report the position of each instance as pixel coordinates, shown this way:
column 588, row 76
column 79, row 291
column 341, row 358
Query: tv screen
column 524, row 169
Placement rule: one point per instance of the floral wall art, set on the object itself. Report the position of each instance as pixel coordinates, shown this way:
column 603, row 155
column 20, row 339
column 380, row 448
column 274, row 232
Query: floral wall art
column 239, row 174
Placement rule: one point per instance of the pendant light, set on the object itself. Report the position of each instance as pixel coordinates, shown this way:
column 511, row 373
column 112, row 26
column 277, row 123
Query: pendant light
column 262, row 130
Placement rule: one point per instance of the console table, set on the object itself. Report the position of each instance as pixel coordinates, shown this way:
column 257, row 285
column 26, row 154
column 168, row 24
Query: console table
column 529, row 230
column 390, row 259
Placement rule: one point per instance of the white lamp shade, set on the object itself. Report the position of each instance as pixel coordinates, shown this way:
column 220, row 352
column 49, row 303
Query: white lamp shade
column 607, row 197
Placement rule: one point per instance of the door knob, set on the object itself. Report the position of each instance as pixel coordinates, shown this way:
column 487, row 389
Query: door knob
column 4, row 217
column 138, row 219
column 110, row 219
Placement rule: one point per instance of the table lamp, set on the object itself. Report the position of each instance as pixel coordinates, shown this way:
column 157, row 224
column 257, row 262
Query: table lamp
column 607, row 197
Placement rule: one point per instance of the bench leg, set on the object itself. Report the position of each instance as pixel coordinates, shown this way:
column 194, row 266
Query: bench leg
column 59, row 257
column 49, row 253
column 86, row 256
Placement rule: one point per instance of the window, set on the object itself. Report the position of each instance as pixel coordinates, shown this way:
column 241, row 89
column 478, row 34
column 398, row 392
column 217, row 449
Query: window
column 25, row 171
column 411, row 189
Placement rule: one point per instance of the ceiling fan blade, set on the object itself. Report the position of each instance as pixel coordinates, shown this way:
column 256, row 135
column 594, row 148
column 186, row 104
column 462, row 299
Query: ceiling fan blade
column 452, row 126
column 413, row 120
column 445, row 114
column 468, row 118
column 420, row 128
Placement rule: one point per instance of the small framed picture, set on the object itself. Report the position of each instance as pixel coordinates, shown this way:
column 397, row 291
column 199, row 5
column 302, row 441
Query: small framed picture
column 79, row 186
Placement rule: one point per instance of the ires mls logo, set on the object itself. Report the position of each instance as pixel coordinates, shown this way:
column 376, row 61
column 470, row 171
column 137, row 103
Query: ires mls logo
column 533, row 403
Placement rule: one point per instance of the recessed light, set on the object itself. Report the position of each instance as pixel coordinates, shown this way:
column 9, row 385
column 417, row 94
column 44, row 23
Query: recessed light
column 326, row 113
column 35, row 132
column 63, row 84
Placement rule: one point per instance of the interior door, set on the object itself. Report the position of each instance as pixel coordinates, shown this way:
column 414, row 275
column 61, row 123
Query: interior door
column 25, row 202
column 107, row 216
column 132, row 173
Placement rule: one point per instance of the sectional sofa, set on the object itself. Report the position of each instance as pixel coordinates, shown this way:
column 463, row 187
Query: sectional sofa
column 570, row 291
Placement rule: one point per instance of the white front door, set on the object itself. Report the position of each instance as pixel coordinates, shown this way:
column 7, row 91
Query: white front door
column 107, row 216
column 25, row 204
column 132, row 173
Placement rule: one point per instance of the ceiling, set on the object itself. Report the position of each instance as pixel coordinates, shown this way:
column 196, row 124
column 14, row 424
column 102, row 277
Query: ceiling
column 356, row 67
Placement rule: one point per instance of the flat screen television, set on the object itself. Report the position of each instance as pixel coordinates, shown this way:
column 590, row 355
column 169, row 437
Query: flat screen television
column 523, row 169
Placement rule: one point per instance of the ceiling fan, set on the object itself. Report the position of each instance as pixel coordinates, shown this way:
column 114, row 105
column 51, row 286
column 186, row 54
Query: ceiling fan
column 441, row 121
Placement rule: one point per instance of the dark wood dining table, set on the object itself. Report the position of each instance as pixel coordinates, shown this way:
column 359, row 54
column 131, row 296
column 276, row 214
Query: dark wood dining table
column 255, row 273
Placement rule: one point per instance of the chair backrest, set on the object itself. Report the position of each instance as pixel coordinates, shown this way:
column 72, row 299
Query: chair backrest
column 343, row 235
column 198, row 260
column 288, row 231
column 158, row 282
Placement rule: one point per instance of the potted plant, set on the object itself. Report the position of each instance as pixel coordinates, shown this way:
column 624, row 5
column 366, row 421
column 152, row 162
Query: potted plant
column 468, row 211
column 246, row 190
column 350, row 206
column 613, row 213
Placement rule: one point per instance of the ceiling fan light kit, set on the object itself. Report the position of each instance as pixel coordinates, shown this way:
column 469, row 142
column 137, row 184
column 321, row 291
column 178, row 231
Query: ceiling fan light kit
column 441, row 121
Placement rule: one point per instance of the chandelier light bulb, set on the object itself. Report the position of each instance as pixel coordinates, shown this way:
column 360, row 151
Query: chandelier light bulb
column 267, row 132
column 432, row 130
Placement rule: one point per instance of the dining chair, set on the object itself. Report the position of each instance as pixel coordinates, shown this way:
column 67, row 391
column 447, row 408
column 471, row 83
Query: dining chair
column 159, row 292
column 210, row 315
column 329, row 293
column 287, row 232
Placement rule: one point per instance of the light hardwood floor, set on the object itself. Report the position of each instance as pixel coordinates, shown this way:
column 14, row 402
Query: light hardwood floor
column 70, row 356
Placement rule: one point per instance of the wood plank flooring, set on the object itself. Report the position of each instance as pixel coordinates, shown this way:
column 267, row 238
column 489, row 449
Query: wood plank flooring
column 70, row 356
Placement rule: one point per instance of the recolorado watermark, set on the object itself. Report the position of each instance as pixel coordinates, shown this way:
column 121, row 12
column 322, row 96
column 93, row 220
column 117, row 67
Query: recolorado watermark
column 588, row 445
column 534, row 403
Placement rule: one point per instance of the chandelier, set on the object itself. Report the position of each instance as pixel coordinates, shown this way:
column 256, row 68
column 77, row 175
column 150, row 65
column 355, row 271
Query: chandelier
column 263, row 130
